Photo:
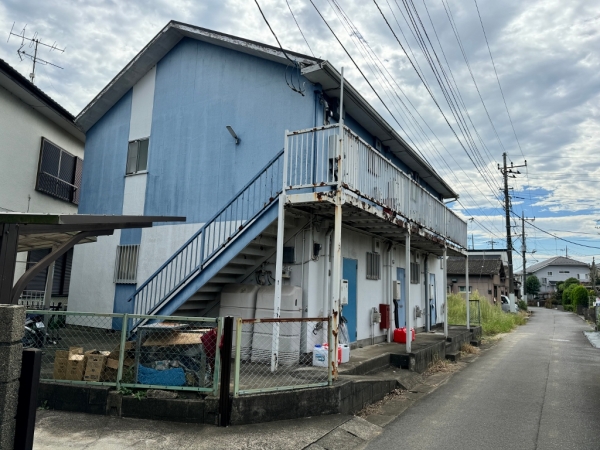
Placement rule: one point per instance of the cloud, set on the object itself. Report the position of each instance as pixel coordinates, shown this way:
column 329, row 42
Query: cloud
column 545, row 53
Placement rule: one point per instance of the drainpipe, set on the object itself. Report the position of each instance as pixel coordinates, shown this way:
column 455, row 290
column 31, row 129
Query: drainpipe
column 427, row 300
column 409, row 311
column 445, row 295
column 387, row 291
column 327, row 307
column 467, row 293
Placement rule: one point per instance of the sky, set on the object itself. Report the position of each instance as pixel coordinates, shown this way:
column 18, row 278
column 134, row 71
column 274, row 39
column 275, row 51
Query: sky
column 538, row 101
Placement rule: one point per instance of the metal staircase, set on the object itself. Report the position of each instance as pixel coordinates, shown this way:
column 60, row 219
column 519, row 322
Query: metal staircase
column 226, row 249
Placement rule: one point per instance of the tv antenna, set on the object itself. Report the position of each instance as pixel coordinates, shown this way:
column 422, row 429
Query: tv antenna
column 34, row 43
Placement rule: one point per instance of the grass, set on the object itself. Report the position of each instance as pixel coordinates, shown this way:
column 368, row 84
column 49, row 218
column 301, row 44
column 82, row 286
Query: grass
column 493, row 319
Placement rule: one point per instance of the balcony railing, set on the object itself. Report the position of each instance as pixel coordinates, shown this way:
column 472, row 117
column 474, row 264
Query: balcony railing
column 311, row 162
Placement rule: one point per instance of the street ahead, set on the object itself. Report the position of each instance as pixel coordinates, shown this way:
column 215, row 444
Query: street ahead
column 539, row 388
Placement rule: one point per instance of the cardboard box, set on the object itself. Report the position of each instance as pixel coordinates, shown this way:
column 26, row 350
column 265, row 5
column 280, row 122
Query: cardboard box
column 129, row 345
column 94, row 365
column 174, row 338
column 114, row 363
column 75, row 368
column 61, row 357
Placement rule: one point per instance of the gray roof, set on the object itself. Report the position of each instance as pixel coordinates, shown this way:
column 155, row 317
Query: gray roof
column 556, row 261
column 314, row 69
column 477, row 266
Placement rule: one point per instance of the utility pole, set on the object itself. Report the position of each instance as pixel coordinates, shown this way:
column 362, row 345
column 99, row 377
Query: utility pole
column 472, row 242
column 508, row 172
column 524, row 250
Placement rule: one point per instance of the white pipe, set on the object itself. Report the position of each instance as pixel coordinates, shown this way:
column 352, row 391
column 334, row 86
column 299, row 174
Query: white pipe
column 407, row 290
column 445, row 295
column 467, row 295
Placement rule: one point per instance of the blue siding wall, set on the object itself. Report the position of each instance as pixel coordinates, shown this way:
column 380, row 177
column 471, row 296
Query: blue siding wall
column 194, row 166
column 105, row 158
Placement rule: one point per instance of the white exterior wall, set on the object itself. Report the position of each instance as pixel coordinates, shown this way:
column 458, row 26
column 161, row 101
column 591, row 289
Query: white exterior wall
column 370, row 293
column 92, row 287
column 21, row 132
column 558, row 277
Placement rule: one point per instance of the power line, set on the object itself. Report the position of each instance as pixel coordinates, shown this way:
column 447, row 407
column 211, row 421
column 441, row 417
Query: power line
column 562, row 239
column 304, row 37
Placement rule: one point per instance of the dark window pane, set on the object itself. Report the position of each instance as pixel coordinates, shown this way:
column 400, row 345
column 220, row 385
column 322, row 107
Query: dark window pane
column 39, row 281
column 132, row 153
column 143, row 155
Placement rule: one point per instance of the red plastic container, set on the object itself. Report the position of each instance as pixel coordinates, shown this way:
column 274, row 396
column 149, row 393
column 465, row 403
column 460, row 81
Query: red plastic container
column 400, row 335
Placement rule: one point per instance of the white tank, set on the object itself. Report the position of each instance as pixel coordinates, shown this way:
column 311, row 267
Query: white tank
column 291, row 298
column 239, row 300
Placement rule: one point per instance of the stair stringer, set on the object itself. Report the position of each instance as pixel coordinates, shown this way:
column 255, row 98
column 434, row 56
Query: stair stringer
column 220, row 261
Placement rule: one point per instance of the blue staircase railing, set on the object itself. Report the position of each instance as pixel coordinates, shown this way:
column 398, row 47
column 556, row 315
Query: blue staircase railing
column 262, row 190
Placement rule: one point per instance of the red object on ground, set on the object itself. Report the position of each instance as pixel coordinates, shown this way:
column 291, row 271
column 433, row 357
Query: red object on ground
column 326, row 346
column 400, row 335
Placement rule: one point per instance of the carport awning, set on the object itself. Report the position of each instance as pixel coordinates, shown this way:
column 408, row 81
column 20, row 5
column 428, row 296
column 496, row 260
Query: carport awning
column 61, row 232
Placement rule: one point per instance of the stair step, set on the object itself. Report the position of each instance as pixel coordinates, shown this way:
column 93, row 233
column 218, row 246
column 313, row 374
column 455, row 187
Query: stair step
column 265, row 241
column 241, row 261
column 209, row 287
column 203, row 296
column 231, row 270
column 256, row 251
column 224, row 278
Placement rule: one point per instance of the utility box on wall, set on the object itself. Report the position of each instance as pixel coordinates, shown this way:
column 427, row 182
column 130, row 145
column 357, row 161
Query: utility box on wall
column 384, row 310
column 344, row 292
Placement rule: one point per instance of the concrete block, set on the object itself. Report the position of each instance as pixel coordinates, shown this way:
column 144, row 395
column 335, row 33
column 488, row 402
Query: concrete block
column 9, row 396
column 12, row 323
column 11, row 356
column 7, row 435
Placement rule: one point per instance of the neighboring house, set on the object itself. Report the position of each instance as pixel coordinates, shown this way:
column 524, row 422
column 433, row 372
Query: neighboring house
column 556, row 270
column 487, row 275
column 41, row 159
column 195, row 126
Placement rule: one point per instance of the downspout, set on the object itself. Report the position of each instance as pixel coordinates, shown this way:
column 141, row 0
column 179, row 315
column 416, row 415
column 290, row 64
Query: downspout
column 327, row 275
column 427, row 305
column 387, row 292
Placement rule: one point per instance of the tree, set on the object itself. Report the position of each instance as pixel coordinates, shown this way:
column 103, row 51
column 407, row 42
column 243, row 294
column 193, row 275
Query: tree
column 580, row 297
column 567, row 295
column 569, row 281
column 532, row 284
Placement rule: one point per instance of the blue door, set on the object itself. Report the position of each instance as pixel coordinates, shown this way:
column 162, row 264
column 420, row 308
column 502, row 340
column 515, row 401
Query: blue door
column 400, row 313
column 349, row 272
column 432, row 299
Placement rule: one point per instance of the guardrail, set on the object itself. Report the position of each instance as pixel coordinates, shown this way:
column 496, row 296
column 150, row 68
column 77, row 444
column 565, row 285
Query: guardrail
column 176, row 353
column 311, row 161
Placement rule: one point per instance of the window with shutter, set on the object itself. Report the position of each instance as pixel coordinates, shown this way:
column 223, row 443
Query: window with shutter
column 137, row 156
column 62, row 273
column 59, row 173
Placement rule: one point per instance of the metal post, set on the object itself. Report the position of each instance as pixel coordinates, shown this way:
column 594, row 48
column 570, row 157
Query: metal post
column 445, row 295
column 28, row 394
column 9, row 239
column 407, row 290
column 511, row 289
column 331, row 342
column 524, row 250
column 217, row 370
column 238, row 359
column 467, row 293
column 336, row 271
column 122, row 350
column 224, row 404
column 279, row 261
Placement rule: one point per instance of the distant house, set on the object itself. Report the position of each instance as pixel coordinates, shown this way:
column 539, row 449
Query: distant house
column 41, row 163
column 245, row 141
column 556, row 270
column 487, row 274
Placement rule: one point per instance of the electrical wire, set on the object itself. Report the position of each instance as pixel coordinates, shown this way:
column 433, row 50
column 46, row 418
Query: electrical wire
column 299, row 29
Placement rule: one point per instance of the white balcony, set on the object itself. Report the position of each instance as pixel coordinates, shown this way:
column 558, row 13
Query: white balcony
column 311, row 163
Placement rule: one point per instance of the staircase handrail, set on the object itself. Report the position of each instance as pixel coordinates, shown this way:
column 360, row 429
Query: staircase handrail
column 203, row 259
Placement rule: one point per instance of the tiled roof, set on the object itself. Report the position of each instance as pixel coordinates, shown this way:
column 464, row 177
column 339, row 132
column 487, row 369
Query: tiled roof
column 556, row 261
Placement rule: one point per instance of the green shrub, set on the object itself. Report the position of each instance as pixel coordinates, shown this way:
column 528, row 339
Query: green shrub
column 569, row 308
column 579, row 297
column 493, row 319
column 567, row 295
column 522, row 304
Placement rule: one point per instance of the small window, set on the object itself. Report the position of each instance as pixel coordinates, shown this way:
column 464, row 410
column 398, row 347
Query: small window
column 289, row 255
column 563, row 271
column 137, row 156
column 549, row 273
column 59, row 173
column 415, row 273
column 463, row 289
column 544, row 281
column 578, row 277
column 373, row 266
column 126, row 264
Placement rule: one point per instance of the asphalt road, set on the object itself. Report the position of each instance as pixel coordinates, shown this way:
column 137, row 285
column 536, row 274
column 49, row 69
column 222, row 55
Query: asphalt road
column 539, row 388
